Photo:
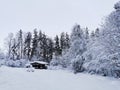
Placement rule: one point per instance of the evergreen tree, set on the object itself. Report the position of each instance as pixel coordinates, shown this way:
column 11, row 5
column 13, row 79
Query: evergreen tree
column 92, row 34
column 27, row 45
column 97, row 32
column 57, row 48
column 19, row 45
column 44, row 46
column 40, row 45
column 62, row 41
column 14, row 50
column 86, row 34
column 34, row 45
column 67, row 41
column 49, row 50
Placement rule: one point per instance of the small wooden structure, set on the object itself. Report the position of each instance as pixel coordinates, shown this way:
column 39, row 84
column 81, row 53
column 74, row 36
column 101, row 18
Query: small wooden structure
column 39, row 64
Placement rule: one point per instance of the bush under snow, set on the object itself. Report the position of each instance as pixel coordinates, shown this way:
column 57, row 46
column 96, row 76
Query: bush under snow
column 16, row 63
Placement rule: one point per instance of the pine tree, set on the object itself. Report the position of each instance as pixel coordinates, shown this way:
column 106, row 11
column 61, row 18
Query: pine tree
column 92, row 35
column 57, row 48
column 62, row 41
column 97, row 32
column 27, row 45
column 86, row 34
column 44, row 46
column 40, row 46
column 14, row 50
column 49, row 49
column 67, row 41
column 19, row 44
column 34, row 45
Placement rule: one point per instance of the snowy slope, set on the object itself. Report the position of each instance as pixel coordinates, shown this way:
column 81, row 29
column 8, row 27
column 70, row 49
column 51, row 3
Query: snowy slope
column 20, row 79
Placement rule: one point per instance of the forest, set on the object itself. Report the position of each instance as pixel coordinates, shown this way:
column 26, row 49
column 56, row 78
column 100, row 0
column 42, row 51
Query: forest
column 94, row 52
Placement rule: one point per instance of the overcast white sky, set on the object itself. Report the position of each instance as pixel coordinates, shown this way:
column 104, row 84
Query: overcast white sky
column 51, row 16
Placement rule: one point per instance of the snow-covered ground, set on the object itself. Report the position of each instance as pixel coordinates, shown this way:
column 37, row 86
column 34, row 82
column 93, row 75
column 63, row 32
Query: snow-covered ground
column 20, row 79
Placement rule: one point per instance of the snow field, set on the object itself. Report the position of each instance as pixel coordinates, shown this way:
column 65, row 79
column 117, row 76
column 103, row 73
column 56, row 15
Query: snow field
column 20, row 79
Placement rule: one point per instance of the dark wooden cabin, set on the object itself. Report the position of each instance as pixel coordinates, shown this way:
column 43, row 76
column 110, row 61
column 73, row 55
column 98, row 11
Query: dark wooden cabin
column 39, row 64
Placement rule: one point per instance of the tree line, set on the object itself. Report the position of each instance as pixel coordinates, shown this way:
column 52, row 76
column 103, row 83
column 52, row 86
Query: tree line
column 36, row 45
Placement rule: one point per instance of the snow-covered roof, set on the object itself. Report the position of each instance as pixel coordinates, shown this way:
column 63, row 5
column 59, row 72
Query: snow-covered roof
column 40, row 62
column 27, row 64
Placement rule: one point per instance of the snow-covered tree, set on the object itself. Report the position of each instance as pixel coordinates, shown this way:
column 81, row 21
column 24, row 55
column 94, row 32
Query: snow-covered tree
column 34, row 45
column 67, row 41
column 27, row 46
column 49, row 50
column 77, row 64
column 87, row 35
column 62, row 40
column 77, row 48
column 14, row 50
column 103, row 55
column 97, row 32
column 44, row 47
column 40, row 45
column 8, row 44
column 20, row 44
column 92, row 35
column 57, row 48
